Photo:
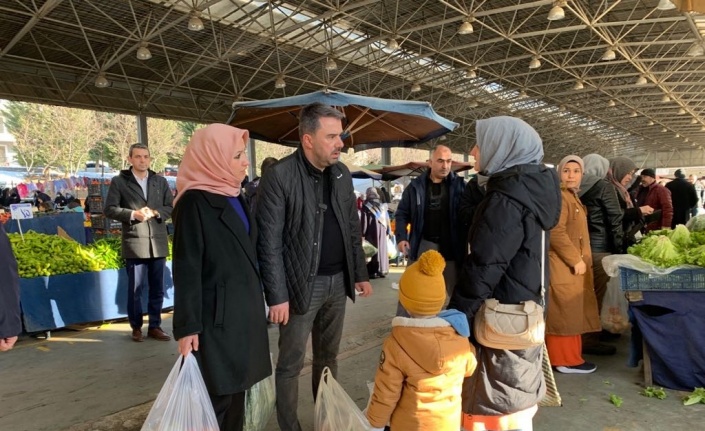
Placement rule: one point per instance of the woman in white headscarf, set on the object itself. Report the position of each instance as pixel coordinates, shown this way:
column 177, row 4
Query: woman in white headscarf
column 522, row 201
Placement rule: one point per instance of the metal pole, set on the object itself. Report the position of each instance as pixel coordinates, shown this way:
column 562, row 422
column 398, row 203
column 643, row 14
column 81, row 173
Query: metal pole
column 252, row 151
column 142, row 136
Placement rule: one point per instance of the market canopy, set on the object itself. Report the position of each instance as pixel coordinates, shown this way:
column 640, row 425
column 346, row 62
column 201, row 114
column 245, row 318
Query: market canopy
column 612, row 77
column 370, row 122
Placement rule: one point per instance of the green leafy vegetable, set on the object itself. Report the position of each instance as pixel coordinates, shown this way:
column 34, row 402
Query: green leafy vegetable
column 616, row 400
column 654, row 392
column 659, row 250
column 697, row 396
column 680, row 236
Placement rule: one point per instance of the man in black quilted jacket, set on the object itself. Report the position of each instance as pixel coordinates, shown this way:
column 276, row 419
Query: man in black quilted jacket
column 310, row 253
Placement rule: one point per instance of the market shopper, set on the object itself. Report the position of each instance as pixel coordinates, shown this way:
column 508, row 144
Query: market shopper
column 218, row 303
column 429, row 205
column 683, row 197
column 310, row 253
column 142, row 201
column 522, row 201
column 572, row 305
column 604, row 218
column 10, row 322
column 658, row 197
column 621, row 174
column 375, row 225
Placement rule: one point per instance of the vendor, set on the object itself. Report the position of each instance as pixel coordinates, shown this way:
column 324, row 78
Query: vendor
column 40, row 198
column 60, row 200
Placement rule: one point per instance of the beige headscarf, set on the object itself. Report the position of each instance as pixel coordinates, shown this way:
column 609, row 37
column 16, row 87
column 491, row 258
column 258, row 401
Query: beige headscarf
column 571, row 158
column 206, row 162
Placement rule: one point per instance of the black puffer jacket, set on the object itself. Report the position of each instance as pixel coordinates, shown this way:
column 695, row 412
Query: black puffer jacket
column 290, row 224
column 604, row 218
column 505, row 263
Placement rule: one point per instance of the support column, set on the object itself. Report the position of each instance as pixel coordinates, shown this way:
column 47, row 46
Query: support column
column 386, row 156
column 142, row 136
column 252, row 156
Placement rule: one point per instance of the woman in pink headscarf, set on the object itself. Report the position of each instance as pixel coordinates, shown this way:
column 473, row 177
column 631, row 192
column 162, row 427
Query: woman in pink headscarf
column 218, row 305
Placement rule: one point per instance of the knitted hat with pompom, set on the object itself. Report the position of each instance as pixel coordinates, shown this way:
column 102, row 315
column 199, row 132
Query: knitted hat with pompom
column 422, row 289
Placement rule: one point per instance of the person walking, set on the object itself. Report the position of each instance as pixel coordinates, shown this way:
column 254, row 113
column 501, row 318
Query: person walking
column 683, row 197
column 572, row 305
column 310, row 253
column 142, row 201
column 218, row 303
column 430, row 206
column 604, row 218
column 522, row 201
column 374, row 221
column 10, row 313
column 656, row 196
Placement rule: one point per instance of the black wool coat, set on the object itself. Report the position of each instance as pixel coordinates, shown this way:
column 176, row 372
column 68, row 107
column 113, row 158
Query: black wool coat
column 140, row 240
column 218, row 293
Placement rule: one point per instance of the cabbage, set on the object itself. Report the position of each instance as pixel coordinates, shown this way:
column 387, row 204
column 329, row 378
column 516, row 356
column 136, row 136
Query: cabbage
column 659, row 250
column 680, row 236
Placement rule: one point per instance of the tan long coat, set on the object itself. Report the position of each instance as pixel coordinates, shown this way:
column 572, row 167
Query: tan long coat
column 572, row 305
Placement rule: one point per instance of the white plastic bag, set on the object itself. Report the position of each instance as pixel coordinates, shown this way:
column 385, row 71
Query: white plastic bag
column 260, row 402
column 335, row 410
column 614, row 314
column 183, row 403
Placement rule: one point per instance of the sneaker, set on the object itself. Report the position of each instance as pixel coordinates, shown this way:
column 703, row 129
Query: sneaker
column 584, row 368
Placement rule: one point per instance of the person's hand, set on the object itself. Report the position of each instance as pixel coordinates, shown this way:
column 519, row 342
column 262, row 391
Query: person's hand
column 580, row 268
column 139, row 216
column 403, row 247
column 646, row 210
column 364, row 287
column 188, row 343
column 279, row 313
column 7, row 343
column 148, row 213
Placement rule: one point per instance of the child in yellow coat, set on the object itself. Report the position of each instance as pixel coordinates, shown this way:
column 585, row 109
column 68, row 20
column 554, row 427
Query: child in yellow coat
column 424, row 361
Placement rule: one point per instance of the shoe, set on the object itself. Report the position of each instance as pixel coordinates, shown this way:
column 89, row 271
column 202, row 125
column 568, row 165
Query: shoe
column 158, row 334
column 137, row 335
column 584, row 368
column 599, row 350
column 608, row 336
column 380, row 275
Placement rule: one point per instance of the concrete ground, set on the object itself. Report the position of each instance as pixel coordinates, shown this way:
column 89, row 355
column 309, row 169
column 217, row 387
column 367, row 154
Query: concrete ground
column 97, row 379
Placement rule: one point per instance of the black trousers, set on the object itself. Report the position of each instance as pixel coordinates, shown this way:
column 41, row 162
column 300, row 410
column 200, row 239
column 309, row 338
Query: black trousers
column 230, row 411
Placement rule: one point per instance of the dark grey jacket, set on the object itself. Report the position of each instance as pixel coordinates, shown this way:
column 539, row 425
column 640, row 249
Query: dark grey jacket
column 10, row 322
column 290, row 224
column 140, row 240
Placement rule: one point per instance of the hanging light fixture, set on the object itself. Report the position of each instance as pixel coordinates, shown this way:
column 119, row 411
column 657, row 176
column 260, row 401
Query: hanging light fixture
column 665, row 5
column 611, row 103
column 535, row 63
column 470, row 73
column 693, row 121
column 634, row 114
column 279, row 82
column 195, row 23
column 392, row 44
column 415, row 87
column 663, row 130
column 665, row 98
column 609, row 55
column 473, row 104
column 561, row 108
column 557, row 13
column 466, row 27
column 578, row 85
column 522, row 94
column 101, row 81
column 678, row 135
column 681, row 111
column 641, row 80
column 331, row 64
column 650, row 123
column 702, row 128
column 143, row 53
column 696, row 50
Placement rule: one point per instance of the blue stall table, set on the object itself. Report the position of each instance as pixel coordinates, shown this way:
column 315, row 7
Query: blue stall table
column 57, row 301
column 71, row 222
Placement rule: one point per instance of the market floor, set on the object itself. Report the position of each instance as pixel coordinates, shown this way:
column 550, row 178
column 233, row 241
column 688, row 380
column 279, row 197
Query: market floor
column 98, row 379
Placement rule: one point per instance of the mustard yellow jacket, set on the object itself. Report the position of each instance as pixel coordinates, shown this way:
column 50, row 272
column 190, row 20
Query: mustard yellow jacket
column 419, row 381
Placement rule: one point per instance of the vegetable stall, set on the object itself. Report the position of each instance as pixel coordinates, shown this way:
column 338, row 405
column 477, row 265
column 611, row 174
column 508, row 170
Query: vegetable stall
column 663, row 278
column 64, row 283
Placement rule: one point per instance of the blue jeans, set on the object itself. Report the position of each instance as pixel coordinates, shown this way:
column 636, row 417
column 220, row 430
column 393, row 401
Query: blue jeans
column 324, row 321
column 139, row 273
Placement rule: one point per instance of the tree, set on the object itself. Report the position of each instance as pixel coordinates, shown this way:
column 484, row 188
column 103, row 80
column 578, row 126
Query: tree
column 28, row 123
column 166, row 142
column 121, row 132
column 75, row 133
